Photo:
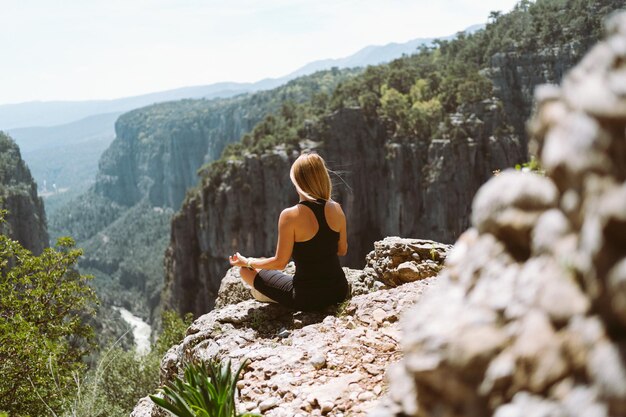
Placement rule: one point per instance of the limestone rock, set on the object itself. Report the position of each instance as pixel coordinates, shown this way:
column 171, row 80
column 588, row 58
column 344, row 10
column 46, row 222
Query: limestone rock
column 332, row 362
column 396, row 261
column 528, row 316
column 509, row 205
column 26, row 218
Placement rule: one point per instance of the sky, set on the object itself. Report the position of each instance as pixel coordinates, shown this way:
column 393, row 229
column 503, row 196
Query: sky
column 103, row 49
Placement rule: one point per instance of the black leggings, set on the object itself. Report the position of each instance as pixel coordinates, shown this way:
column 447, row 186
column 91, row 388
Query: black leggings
column 279, row 287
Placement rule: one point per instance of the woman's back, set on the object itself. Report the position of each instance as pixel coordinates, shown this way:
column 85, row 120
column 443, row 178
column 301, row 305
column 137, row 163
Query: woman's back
column 317, row 263
column 307, row 224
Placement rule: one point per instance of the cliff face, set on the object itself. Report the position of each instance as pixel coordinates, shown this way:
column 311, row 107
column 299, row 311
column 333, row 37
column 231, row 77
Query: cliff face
column 158, row 149
column 396, row 186
column 26, row 220
column 515, row 76
column 156, row 153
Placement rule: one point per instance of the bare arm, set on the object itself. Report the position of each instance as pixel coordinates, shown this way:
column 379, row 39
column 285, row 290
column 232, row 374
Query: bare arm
column 284, row 248
column 342, row 247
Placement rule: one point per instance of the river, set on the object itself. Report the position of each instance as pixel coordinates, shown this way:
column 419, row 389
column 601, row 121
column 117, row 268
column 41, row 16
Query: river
column 141, row 330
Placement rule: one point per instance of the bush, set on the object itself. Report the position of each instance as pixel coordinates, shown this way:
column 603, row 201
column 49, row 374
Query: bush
column 122, row 377
column 44, row 304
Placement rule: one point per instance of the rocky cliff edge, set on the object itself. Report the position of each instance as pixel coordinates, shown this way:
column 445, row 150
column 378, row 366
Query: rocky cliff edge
column 326, row 363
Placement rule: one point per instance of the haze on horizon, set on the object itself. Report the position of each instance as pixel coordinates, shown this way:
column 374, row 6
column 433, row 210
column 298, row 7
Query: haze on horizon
column 85, row 50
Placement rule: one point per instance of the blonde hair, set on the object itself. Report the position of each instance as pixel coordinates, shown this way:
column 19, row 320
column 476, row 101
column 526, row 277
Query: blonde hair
column 310, row 177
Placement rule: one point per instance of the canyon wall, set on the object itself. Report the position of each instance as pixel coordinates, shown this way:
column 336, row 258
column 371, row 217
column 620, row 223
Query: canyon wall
column 26, row 218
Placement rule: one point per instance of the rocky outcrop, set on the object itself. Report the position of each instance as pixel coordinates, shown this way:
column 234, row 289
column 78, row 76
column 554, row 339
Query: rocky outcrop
column 305, row 364
column 396, row 260
column 26, row 218
column 393, row 262
column 528, row 317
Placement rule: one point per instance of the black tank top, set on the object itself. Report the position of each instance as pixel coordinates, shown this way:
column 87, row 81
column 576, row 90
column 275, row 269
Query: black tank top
column 317, row 263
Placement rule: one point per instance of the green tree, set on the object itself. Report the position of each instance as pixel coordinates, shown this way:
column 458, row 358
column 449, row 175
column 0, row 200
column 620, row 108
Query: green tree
column 174, row 329
column 44, row 303
column 424, row 117
column 395, row 106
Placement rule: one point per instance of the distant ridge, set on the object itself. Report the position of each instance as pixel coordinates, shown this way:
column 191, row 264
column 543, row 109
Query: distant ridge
column 62, row 141
column 375, row 54
column 51, row 113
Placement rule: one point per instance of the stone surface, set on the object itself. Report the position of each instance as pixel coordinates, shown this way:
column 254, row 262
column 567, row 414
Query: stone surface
column 528, row 316
column 331, row 363
column 509, row 205
column 396, row 260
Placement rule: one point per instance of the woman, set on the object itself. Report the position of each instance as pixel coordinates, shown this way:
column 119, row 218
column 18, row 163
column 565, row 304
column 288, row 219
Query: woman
column 314, row 232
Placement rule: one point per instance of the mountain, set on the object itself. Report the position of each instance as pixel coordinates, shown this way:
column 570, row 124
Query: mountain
column 26, row 219
column 92, row 127
column 52, row 113
column 416, row 138
column 375, row 54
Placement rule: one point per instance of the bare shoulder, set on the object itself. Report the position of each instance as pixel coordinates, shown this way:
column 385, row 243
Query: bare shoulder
column 334, row 215
column 335, row 207
column 289, row 213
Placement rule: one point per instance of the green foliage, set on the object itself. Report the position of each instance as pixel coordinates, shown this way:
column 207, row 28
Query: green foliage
column 121, row 377
column 113, row 388
column 84, row 216
column 43, row 333
column 394, row 105
column 531, row 166
column 174, row 329
column 531, row 26
column 205, row 391
column 14, row 175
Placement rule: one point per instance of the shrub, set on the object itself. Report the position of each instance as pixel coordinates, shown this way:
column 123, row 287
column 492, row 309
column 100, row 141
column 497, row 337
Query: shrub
column 44, row 303
column 205, row 391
